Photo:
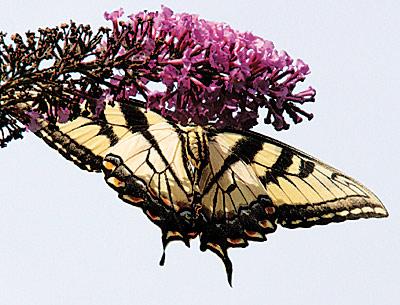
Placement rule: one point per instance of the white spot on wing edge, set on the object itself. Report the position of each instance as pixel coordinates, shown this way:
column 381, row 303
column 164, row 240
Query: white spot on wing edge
column 356, row 211
column 343, row 213
column 367, row 210
column 329, row 215
column 380, row 211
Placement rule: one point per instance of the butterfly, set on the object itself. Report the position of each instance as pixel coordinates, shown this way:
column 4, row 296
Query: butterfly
column 227, row 187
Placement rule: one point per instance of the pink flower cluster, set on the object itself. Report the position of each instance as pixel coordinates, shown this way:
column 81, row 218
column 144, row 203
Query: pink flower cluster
column 209, row 73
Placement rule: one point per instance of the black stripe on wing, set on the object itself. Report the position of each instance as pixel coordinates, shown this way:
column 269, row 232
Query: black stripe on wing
column 244, row 150
column 135, row 117
column 76, row 151
column 278, row 169
column 106, row 130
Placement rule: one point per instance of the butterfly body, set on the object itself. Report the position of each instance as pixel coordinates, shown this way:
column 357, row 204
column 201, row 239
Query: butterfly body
column 228, row 187
column 196, row 146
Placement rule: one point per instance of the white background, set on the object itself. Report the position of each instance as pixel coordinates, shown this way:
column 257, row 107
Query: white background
column 65, row 237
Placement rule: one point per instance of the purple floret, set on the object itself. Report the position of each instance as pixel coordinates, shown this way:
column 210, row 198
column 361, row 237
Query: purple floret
column 210, row 73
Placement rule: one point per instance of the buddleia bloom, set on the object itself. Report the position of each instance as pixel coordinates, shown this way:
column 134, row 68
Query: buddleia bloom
column 210, row 73
column 189, row 69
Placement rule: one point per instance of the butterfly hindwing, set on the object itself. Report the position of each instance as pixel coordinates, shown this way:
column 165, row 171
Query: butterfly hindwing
column 149, row 169
column 228, row 184
column 154, row 159
column 234, row 202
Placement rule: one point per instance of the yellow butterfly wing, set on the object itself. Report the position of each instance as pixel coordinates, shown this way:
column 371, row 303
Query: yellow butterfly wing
column 252, row 182
column 304, row 190
column 142, row 157
column 235, row 207
column 148, row 170
column 86, row 139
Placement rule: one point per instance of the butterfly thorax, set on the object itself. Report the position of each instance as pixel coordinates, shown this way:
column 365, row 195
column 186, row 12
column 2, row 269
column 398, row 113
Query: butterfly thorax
column 196, row 145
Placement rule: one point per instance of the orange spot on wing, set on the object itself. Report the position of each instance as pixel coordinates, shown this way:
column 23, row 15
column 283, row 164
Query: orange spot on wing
column 152, row 216
column 266, row 224
column 108, row 165
column 166, row 201
column 235, row 241
column 270, row 210
column 116, row 182
column 133, row 199
column 253, row 234
column 192, row 234
column 152, row 193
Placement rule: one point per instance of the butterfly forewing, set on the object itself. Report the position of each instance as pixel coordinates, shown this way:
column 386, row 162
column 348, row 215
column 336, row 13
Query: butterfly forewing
column 307, row 191
column 68, row 140
column 86, row 139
